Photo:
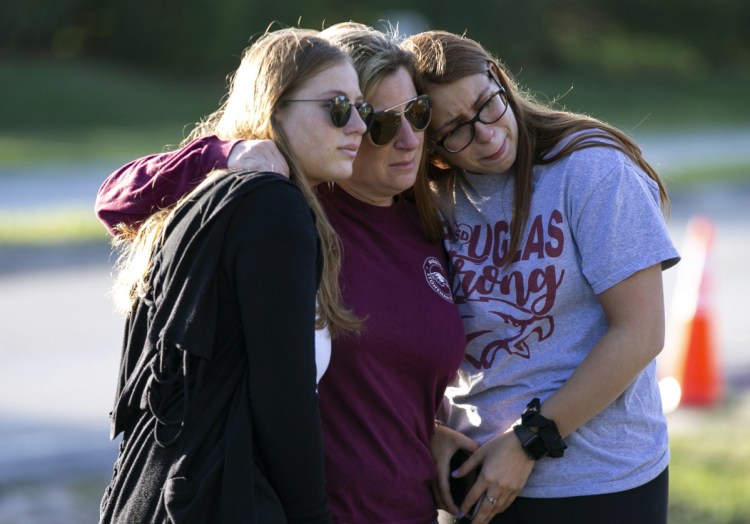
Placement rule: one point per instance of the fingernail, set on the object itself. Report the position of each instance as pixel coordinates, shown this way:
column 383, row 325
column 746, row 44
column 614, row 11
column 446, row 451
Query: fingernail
column 454, row 472
column 460, row 515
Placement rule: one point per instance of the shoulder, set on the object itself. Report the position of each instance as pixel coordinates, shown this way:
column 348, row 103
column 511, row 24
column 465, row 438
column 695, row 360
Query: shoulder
column 254, row 180
column 596, row 170
column 228, row 188
column 272, row 214
column 594, row 158
column 269, row 195
column 588, row 145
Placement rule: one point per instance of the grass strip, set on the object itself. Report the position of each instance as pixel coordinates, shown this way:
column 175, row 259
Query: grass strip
column 710, row 467
column 29, row 227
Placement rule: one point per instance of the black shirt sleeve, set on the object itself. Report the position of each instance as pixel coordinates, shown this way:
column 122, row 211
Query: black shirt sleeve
column 272, row 253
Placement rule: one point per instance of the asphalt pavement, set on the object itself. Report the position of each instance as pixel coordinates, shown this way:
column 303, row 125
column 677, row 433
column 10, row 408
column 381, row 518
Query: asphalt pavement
column 60, row 339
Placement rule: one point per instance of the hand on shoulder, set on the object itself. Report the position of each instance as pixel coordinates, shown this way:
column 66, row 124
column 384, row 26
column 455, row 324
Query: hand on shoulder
column 258, row 155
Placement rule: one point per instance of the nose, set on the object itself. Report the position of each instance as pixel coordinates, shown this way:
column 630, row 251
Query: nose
column 483, row 132
column 408, row 138
column 356, row 124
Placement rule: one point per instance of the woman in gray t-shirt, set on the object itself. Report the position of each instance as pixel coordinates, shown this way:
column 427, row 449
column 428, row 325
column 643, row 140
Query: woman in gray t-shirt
column 557, row 241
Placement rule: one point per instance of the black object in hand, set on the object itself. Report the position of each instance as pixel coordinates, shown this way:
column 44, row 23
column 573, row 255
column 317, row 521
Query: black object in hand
column 461, row 486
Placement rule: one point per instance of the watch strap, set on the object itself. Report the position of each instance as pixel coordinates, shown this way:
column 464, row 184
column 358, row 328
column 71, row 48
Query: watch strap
column 546, row 429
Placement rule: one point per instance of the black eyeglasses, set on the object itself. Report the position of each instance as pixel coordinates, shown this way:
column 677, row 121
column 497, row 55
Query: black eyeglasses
column 385, row 124
column 341, row 109
column 462, row 135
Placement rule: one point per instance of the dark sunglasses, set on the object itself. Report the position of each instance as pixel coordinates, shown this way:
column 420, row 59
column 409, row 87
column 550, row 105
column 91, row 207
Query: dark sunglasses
column 385, row 124
column 341, row 109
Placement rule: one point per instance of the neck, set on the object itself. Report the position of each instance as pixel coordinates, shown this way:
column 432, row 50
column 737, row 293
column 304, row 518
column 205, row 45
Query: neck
column 381, row 201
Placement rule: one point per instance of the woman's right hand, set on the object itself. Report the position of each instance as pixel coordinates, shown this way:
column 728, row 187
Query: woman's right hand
column 258, row 155
column 445, row 443
column 505, row 469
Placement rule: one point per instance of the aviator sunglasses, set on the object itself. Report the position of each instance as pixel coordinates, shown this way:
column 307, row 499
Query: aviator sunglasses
column 341, row 109
column 385, row 124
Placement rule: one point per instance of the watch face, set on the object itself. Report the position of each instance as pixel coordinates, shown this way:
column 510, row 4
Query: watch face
column 536, row 447
column 531, row 442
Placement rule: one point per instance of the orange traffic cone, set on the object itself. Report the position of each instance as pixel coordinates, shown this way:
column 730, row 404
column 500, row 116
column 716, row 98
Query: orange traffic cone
column 698, row 369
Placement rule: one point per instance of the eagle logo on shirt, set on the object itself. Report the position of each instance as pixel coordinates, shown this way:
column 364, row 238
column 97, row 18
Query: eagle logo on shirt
column 506, row 308
column 521, row 329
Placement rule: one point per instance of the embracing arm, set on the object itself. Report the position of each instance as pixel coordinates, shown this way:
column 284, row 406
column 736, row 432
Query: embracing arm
column 634, row 310
column 141, row 187
column 130, row 194
column 274, row 267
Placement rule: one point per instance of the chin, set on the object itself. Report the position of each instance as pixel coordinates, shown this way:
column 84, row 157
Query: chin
column 405, row 179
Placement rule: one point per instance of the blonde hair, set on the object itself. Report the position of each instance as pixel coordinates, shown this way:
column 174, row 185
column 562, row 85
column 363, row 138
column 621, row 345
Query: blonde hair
column 443, row 58
column 376, row 55
column 277, row 64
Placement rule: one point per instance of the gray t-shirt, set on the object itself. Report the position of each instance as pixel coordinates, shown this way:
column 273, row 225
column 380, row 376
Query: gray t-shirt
column 595, row 220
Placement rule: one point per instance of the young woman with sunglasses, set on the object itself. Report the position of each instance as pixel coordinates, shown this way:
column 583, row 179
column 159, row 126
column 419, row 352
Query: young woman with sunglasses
column 557, row 242
column 216, row 399
column 380, row 393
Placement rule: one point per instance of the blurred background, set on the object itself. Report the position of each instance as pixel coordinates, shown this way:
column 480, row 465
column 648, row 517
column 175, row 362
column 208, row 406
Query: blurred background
column 86, row 85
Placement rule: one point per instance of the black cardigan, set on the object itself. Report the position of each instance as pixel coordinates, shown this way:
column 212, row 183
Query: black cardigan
column 216, row 398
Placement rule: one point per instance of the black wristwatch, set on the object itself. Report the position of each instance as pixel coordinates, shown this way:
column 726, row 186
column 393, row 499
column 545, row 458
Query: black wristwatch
column 546, row 440
column 531, row 442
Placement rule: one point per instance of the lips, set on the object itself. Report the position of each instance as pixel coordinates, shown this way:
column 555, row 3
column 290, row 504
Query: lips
column 405, row 164
column 497, row 154
column 350, row 149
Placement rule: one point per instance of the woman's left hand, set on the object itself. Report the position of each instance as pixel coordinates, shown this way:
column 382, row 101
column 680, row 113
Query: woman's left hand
column 505, row 470
column 258, row 155
column 445, row 443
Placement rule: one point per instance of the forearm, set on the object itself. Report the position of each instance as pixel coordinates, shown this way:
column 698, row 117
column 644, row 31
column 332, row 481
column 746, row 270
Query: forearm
column 136, row 190
column 602, row 377
column 634, row 337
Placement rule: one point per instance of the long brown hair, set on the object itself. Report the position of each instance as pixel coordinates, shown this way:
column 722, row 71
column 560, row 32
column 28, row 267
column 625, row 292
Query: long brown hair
column 271, row 69
column 443, row 58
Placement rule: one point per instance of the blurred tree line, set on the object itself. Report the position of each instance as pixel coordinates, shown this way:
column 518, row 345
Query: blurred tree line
column 674, row 39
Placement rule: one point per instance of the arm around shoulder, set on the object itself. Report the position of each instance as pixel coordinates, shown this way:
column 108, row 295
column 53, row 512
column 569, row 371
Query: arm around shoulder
column 139, row 188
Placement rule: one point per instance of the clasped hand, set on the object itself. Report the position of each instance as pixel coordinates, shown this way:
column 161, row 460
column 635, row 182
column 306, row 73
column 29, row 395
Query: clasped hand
column 505, row 470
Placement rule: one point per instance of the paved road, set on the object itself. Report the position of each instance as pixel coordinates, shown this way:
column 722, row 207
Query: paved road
column 58, row 346
column 59, row 339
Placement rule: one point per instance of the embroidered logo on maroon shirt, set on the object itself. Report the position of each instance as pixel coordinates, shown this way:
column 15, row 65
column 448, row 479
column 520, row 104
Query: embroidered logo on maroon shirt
column 435, row 275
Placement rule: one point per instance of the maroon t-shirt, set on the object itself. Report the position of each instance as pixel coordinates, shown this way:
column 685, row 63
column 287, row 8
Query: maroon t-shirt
column 382, row 388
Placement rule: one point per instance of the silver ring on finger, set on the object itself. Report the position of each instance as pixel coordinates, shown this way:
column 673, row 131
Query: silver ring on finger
column 491, row 500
